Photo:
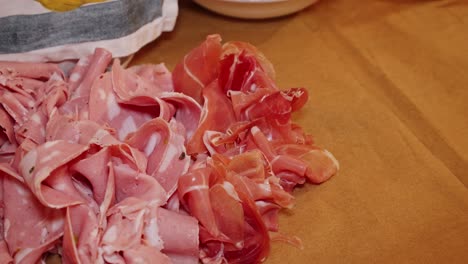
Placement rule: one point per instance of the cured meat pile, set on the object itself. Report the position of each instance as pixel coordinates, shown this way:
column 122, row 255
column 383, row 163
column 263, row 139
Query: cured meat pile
column 142, row 165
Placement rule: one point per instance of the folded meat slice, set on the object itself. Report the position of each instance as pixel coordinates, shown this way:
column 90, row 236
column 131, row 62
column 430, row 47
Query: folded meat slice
column 97, row 66
column 137, row 225
column 95, row 169
column 123, row 112
column 44, row 171
column 78, row 72
column 124, row 229
column 198, row 68
column 163, row 145
column 187, row 113
column 217, row 115
column 143, row 80
column 81, row 235
column 194, row 194
column 17, row 108
column 7, row 137
column 131, row 183
column 39, row 71
column 146, row 254
column 29, row 233
column 157, row 74
column 179, row 234
column 84, row 75
column 4, row 254
column 238, row 47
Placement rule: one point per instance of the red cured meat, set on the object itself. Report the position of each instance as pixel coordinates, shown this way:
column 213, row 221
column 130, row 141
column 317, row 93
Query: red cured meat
column 198, row 68
column 217, row 115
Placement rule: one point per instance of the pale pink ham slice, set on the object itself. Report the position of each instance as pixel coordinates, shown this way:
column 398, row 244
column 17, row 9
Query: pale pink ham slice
column 81, row 235
column 45, row 164
column 97, row 65
column 140, row 81
column 4, row 254
column 29, row 233
column 40, row 71
column 163, row 145
column 157, row 74
column 179, row 234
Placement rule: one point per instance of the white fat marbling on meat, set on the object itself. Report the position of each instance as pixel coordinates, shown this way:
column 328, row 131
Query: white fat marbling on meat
column 22, row 253
column 36, row 118
column 75, row 77
column 204, row 112
column 196, row 188
column 60, row 186
column 255, row 130
column 55, row 77
column 189, row 73
column 231, row 190
column 335, row 161
column 99, row 135
column 128, row 126
column 84, row 61
column 21, row 190
column 31, row 104
column 44, row 234
column 151, row 144
column 56, row 224
column 28, row 162
column 172, row 153
column 50, row 144
column 102, row 94
column 152, row 234
column 113, row 108
column 6, row 226
column 53, row 155
column 110, row 235
column 265, row 186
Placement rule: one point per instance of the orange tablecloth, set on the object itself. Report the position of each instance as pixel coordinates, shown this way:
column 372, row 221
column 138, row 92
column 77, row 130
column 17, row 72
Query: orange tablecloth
column 388, row 82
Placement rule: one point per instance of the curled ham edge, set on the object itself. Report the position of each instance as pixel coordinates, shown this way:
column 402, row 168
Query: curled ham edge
column 315, row 164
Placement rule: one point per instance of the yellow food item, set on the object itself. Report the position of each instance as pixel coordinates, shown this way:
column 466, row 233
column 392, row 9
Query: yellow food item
column 65, row 5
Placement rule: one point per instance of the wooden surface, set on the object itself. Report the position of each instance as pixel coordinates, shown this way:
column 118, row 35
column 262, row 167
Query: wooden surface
column 388, row 81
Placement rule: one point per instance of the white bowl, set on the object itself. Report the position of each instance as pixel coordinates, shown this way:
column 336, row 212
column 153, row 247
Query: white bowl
column 255, row 9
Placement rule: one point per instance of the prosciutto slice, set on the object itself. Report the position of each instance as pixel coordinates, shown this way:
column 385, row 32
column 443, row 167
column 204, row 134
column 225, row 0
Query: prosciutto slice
column 107, row 164
column 198, row 68
column 256, row 156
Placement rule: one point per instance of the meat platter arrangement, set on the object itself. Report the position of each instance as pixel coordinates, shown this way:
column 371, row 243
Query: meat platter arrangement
column 106, row 164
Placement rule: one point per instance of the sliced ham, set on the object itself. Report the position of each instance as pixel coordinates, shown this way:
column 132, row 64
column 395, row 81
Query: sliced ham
column 97, row 65
column 39, row 71
column 217, row 115
column 179, row 234
column 45, row 165
column 198, row 68
column 142, row 165
column 81, row 235
column 28, row 233
column 164, row 147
